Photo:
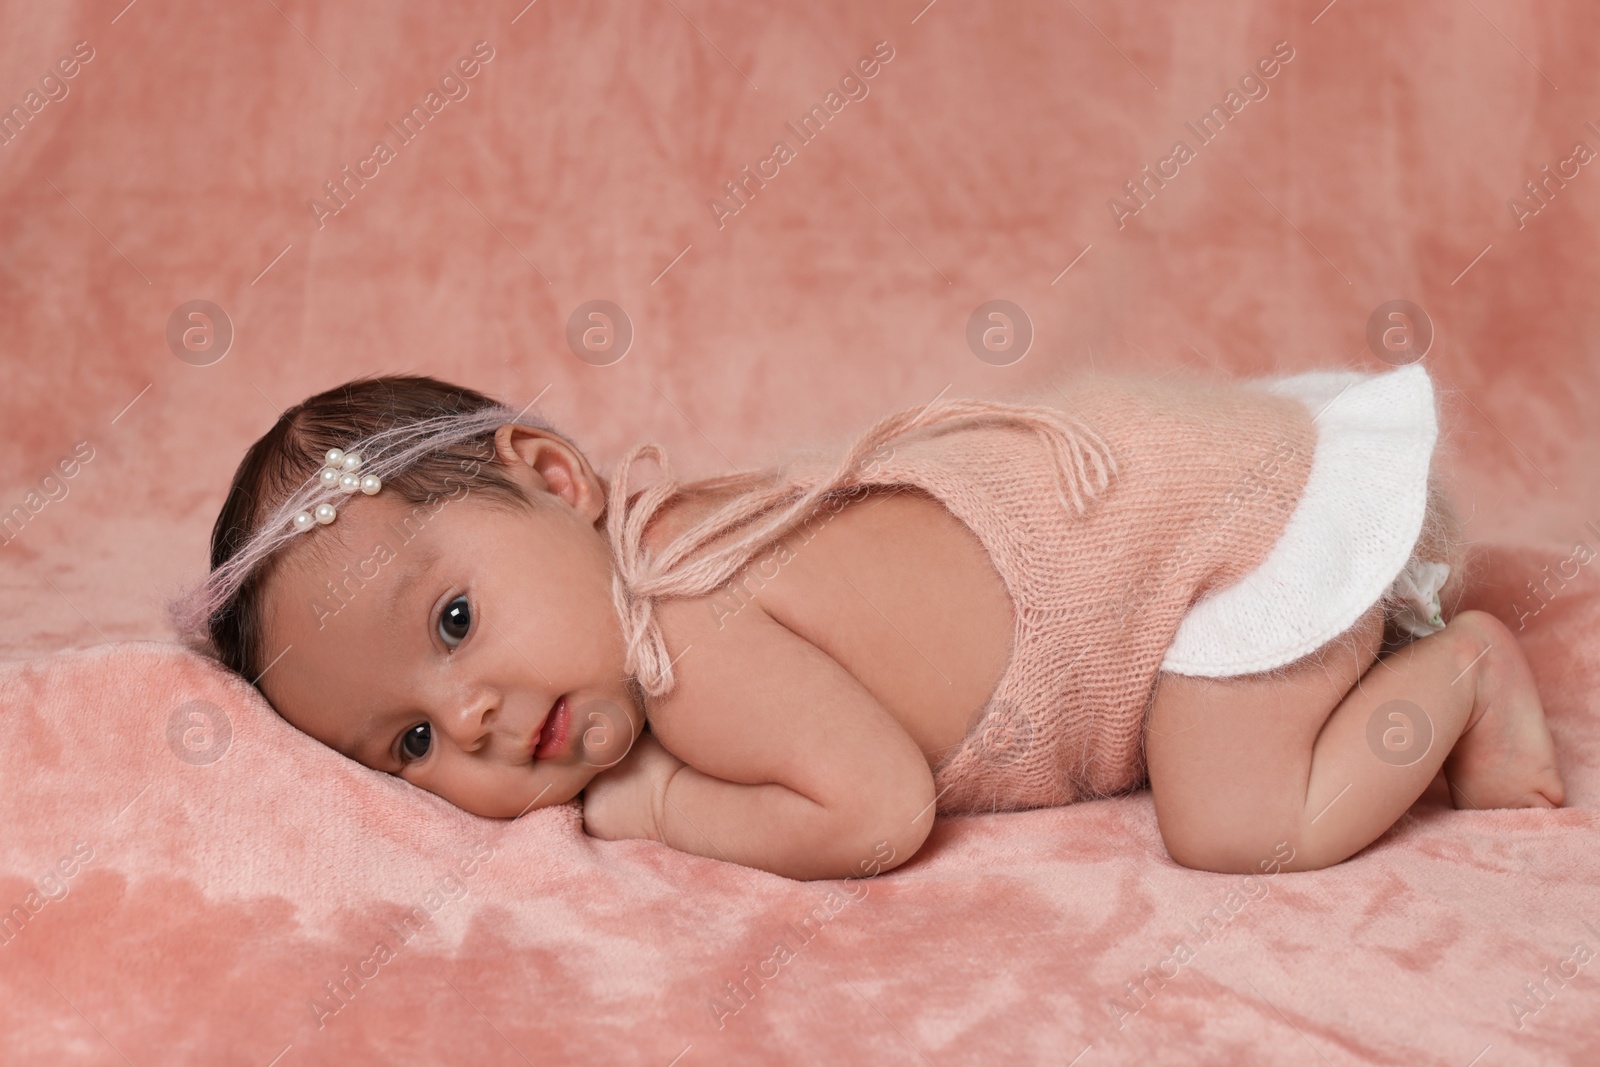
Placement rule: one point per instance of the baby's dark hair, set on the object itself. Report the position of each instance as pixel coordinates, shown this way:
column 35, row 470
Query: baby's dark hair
column 425, row 439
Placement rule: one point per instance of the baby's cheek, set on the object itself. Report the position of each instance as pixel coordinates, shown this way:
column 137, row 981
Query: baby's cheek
column 472, row 788
column 606, row 733
column 498, row 791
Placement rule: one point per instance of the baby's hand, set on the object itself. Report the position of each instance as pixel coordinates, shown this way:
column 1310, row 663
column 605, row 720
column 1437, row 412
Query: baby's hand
column 629, row 800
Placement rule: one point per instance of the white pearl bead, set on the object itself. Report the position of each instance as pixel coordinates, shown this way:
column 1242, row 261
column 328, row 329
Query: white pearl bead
column 334, row 457
column 303, row 521
column 352, row 461
column 329, row 477
column 325, row 513
column 371, row 484
column 349, row 482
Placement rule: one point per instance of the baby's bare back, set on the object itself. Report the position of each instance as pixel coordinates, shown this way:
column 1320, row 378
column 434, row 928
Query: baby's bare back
column 895, row 589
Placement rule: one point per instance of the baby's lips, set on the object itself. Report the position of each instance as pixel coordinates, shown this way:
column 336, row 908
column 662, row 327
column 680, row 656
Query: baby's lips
column 553, row 731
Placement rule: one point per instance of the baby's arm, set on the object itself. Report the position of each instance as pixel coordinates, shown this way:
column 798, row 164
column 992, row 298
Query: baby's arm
column 767, row 753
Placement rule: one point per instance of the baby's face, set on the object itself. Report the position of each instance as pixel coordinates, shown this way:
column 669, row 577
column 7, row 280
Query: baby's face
column 439, row 658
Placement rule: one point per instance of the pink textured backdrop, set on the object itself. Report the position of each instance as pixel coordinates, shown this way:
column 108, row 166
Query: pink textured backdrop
column 178, row 166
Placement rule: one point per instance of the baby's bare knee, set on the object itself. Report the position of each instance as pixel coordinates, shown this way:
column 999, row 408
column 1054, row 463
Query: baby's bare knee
column 1253, row 849
column 1204, row 856
column 1236, row 847
column 1477, row 637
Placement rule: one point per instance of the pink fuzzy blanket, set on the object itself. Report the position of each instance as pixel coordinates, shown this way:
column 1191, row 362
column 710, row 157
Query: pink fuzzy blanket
column 186, row 879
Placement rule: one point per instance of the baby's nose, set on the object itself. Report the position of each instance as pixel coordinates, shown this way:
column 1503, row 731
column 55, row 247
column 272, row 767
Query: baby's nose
column 468, row 724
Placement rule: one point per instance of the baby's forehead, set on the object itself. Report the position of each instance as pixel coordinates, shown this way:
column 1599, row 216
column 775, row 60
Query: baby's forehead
column 318, row 550
column 354, row 543
column 360, row 525
column 337, row 603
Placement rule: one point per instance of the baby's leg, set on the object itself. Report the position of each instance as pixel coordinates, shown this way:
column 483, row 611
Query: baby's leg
column 1239, row 765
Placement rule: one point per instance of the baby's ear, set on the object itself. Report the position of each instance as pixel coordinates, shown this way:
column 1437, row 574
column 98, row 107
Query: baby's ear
column 513, row 444
column 564, row 470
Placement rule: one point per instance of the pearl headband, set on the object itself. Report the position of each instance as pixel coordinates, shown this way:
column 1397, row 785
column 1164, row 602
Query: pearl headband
column 389, row 452
column 340, row 472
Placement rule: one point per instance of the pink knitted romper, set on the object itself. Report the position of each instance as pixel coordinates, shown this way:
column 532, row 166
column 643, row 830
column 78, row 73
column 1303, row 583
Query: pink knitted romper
column 1108, row 513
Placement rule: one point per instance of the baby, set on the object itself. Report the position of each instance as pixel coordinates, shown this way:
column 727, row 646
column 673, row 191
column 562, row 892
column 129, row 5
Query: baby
column 1230, row 592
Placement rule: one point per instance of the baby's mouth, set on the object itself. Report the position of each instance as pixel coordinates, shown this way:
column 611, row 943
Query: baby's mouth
column 551, row 739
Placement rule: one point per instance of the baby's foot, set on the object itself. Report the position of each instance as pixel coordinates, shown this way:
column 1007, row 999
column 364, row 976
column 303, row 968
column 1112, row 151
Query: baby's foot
column 1506, row 758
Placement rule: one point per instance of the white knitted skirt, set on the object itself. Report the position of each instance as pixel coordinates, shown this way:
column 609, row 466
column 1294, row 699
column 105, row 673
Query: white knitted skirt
column 1371, row 526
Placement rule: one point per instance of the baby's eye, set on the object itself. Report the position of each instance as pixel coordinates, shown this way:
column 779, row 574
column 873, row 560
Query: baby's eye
column 414, row 742
column 455, row 622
